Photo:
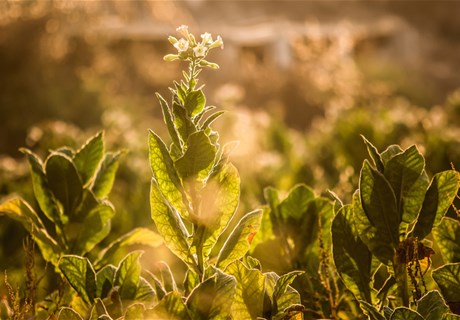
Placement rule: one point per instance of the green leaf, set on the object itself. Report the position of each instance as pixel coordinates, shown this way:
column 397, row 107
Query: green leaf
column 171, row 307
column 379, row 205
column 447, row 278
column 211, row 119
column 240, row 239
column 69, row 314
column 432, row 306
column 168, row 119
column 166, row 176
column 403, row 313
column 145, row 292
column 95, row 228
column 248, row 301
column 43, row 194
column 64, row 182
column 81, row 276
column 447, row 236
column 283, row 295
column 219, row 202
column 195, row 102
column 138, row 236
column 182, row 122
column 212, row 299
column 451, row 316
column 127, row 275
column 371, row 311
column 413, row 201
column 375, row 155
column 402, row 172
column 438, row 199
column 351, row 256
column 294, row 206
column 105, row 280
column 19, row 210
column 390, row 152
column 87, row 159
column 105, row 175
column 169, row 225
column 200, row 155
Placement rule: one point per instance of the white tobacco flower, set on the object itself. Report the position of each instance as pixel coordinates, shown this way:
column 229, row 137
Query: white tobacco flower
column 206, row 38
column 218, row 43
column 181, row 45
column 200, row 50
column 183, row 30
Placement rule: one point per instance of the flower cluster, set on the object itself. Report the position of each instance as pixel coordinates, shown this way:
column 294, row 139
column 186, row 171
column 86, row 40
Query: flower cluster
column 188, row 48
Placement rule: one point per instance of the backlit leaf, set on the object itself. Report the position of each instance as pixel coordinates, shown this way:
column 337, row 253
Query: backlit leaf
column 87, row 159
column 438, row 198
column 81, row 276
column 212, row 299
column 248, row 301
column 447, row 236
column 166, row 176
column 447, row 278
column 219, row 202
column 199, row 155
column 351, row 256
column 105, row 175
column 239, row 241
column 170, row 225
column 432, row 306
column 127, row 275
column 171, row 307
column 64, row 182
column 42, row 192
column 403, row 313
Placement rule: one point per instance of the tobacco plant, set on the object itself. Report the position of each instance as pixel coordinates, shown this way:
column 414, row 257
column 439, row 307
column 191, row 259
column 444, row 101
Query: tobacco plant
column 384, row 232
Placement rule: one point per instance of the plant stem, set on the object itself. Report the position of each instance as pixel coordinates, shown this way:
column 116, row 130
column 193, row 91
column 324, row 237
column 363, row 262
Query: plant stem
column 401, row 280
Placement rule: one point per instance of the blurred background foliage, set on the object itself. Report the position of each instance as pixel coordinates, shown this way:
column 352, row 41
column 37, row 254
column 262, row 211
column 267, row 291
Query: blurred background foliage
column 300, row 82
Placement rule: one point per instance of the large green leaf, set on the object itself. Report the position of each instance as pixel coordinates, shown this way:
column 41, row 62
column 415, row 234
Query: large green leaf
column 200, row 155
column 170, row 225
column 248, row 301
column 81, row 276
column 403, row 313
column 94, row 228
column 239, row 241
column 218, row 204
column 166, row 176
column 105, row 175
column 294, row 206
column 447, row 236
column 145, row 292
column 138, row 236
column 127, row 275
column 439, row 196
column 402, row 172
column 213, row 298
column 195, row 102
column 171, row 307
column 285, row 296
column 351, row 256
column 390, row 152
column 432, row 306
column 379, row 205
column 64, row 182
column 19, row 210
column 447, row 278
column 43, row 194
column 87, row 159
